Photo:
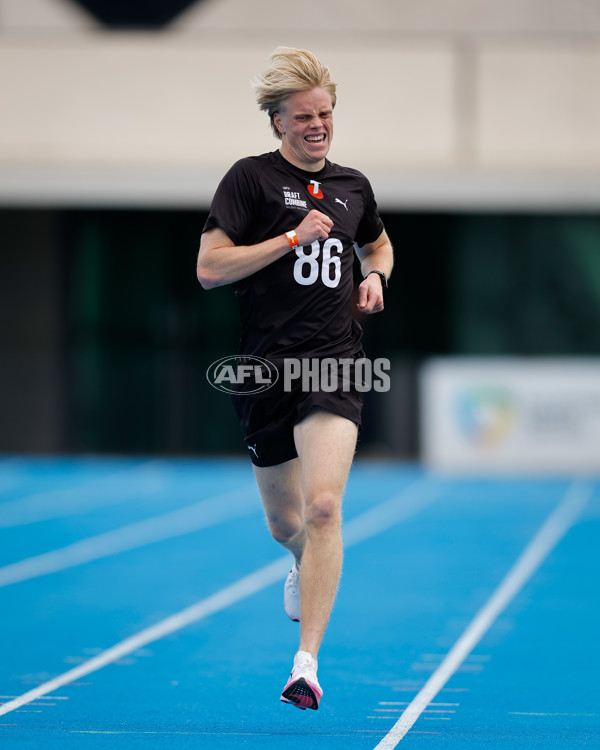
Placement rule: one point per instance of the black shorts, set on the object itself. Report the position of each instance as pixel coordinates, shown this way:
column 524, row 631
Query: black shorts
column 268, row 418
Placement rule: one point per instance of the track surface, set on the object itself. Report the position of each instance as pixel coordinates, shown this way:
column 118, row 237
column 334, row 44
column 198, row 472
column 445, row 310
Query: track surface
column 170, row 561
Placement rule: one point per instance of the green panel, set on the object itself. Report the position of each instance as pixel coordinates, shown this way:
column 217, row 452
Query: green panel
column 141, row 332
column 527, row 285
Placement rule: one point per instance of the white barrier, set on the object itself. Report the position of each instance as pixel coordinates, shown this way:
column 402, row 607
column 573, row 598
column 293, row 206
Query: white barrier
column 525, row 415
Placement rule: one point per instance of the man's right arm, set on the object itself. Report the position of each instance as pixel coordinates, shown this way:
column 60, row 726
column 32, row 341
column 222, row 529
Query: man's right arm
column 222, row 262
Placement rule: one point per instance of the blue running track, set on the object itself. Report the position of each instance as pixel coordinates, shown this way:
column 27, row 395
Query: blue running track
column 141, row 606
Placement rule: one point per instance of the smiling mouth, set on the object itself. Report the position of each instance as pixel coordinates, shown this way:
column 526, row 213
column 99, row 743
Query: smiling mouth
column 315, row 138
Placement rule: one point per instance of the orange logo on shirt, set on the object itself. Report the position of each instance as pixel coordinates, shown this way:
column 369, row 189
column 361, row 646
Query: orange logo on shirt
column 314, row 190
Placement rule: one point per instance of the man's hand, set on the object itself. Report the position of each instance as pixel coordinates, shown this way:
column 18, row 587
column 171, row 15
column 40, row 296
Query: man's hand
column 314, row 226
column 370, row 295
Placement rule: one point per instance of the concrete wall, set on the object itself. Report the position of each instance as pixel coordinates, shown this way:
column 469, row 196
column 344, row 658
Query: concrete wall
column 453, row 103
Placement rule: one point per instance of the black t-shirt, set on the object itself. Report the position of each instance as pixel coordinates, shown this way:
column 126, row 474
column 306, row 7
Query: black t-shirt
column 299, row 305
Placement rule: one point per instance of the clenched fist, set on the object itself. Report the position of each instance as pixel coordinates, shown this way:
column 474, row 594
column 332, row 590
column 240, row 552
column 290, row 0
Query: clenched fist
column 314, row 226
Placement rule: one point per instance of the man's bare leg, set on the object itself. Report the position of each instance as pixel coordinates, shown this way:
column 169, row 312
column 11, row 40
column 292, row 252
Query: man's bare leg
column 281, row 492
column 325, row 443
column 302, row 500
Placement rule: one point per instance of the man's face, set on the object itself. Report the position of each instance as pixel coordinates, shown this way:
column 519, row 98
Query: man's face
column 306, row 127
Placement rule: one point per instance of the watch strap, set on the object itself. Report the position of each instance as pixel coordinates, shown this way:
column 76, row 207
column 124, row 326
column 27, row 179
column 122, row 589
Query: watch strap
column 382, row 276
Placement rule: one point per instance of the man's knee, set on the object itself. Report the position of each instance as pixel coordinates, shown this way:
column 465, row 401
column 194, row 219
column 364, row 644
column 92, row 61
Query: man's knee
column 323, row 511
column 284, row 528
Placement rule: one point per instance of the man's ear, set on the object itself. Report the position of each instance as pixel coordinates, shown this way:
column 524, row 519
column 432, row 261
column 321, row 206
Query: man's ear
column 278, row 123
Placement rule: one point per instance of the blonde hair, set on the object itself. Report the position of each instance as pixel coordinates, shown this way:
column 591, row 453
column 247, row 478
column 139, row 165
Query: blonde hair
column 290, row 71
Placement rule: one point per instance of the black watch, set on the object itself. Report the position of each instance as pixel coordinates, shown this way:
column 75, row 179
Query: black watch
column 382, row 276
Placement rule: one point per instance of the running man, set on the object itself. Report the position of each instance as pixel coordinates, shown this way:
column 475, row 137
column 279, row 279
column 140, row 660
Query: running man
column 283, row 228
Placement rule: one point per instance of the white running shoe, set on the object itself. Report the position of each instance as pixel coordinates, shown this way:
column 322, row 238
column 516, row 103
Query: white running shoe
column 291, row 593
column 302, row 689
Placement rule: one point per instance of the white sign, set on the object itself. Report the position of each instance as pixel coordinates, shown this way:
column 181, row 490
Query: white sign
column 538, row 415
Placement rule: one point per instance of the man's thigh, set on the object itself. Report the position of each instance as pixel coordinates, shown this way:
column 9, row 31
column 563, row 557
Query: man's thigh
column 280, row 489
column 325, row 443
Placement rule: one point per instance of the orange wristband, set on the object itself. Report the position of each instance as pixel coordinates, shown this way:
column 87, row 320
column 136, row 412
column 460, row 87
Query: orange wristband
column 292, row 238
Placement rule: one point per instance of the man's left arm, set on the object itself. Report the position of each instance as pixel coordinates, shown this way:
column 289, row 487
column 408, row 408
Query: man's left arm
column 374, row 256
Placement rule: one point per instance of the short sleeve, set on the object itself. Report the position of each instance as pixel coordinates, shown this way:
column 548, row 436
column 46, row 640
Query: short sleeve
column 234, row 202
column 371, row 225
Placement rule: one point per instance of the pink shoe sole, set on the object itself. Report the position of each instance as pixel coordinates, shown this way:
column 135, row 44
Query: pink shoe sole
column 301, row 694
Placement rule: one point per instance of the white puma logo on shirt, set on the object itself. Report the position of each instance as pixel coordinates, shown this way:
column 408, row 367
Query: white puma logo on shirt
column 337, row 200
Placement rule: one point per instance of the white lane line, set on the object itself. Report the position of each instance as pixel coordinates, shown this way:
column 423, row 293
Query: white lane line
column 531, row 713
column 416, row 497
column 226, row 597
column 54, row 698
column 208, row 512
column 427, row 710
column 549, row 535
column 89, row 494
column 406, row 703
